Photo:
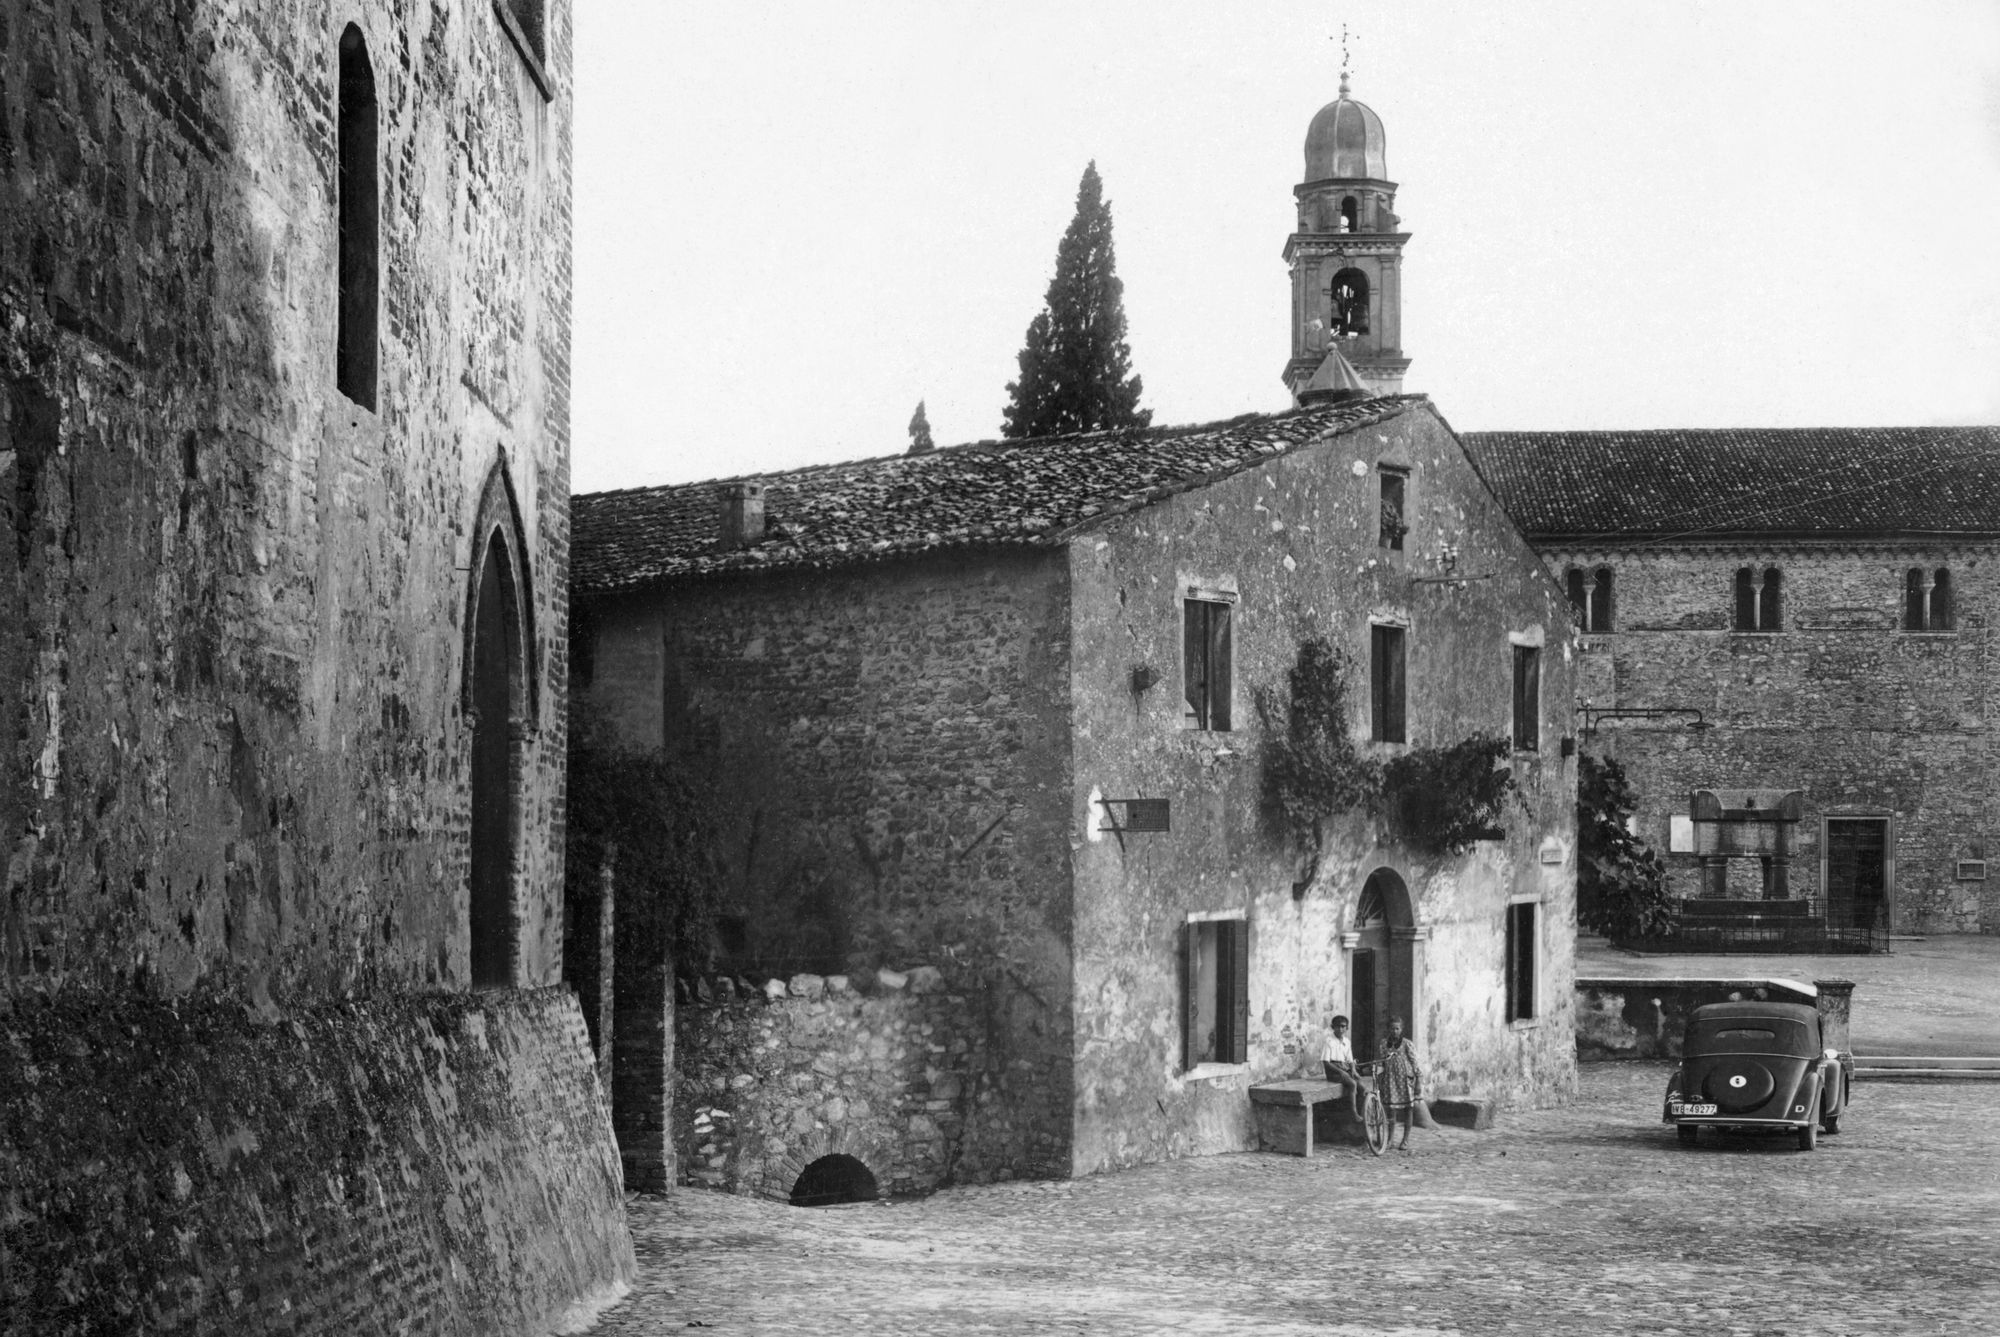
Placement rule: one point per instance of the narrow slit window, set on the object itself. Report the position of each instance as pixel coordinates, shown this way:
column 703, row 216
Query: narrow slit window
column 1385, row 683
column 1394, row 524
column 1521, row 962
column 1206, row 653
column 355, row 341
column 1527, row 698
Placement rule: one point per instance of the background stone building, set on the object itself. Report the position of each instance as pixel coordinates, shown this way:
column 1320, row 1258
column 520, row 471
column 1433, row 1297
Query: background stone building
column 284, row 469
column 1825, row 599
column 924, row 687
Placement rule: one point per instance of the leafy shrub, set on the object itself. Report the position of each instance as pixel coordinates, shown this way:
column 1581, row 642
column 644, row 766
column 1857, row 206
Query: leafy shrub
column 1441, row 800
column 1621, row 883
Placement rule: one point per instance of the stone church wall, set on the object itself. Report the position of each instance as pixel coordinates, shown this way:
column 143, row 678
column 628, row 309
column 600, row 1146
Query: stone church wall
column 1864, row 718
column 234, row 748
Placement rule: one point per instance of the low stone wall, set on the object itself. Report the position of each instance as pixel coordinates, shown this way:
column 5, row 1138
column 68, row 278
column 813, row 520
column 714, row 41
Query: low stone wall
column 437, row 1163
column 901, row 1077
column 1647, row 1018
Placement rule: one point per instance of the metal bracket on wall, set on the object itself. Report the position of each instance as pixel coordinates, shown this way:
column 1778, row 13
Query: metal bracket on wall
column 1143, row 816
column 1592, row 714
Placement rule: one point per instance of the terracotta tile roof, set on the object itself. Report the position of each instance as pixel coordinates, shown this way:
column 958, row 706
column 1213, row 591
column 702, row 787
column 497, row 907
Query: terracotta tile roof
column 990, row 494
column 1847, row 482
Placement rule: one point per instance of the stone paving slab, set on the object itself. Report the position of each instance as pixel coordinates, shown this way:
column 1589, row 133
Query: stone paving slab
column 1586, row 1220
column 1938, row 995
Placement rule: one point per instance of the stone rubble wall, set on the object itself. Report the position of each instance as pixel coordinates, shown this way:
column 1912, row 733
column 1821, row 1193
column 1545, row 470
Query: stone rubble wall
column 436, row 1163
column 898, row 1077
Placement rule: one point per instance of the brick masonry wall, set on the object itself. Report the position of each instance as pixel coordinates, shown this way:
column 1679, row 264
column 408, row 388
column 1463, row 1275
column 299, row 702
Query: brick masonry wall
column 232, row 601
column 1297, row 540
column 433, row 1163
column 888, row 747
column 898, row 1078
column 1863, row 717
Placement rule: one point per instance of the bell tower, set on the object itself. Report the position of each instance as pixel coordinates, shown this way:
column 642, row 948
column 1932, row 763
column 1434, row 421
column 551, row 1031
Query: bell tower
column 1346, row 257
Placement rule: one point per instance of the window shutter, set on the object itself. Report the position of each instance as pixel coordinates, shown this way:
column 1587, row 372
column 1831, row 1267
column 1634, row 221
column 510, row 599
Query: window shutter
column 1218, row 666
column 1191, row 1014
column 1378, row 682
column 1194, row 669
column 1395, row 732
column 1235, row 1000
column 1527, row 970
column 1527, row 698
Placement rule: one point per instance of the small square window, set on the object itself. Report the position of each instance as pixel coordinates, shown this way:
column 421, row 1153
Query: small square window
column 1521, row 961
column 1205, row 660
column 1217, row 1020
column 1527, row 698
column 1385, row 684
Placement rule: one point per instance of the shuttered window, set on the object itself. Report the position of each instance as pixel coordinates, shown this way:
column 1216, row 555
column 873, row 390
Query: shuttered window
column 1521, row 961
column 1216, row 1026
column 1385, row 680
column 1527, row 698
column 1206, row 663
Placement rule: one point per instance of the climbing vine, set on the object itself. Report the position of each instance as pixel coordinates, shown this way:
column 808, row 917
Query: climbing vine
column 1442, row 799
column 1311, row 766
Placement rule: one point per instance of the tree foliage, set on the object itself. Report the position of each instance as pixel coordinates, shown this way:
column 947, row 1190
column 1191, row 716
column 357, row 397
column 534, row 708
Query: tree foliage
column 661, row 832
column 1076, row 368
column 1442, row 799
column 1621, row 884
column 920, row 432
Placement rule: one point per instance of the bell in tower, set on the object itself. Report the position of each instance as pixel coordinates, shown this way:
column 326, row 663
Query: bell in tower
column 1347, row 256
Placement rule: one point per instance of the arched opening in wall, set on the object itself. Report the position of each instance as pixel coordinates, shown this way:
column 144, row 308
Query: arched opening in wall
column 1382, row 970
column 494, row 673
column 355, row 341
column 1347, row 303
column 834, row 1179
column 1350, row 215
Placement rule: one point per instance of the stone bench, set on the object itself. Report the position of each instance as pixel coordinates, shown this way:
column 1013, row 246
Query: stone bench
column 1284, row 1112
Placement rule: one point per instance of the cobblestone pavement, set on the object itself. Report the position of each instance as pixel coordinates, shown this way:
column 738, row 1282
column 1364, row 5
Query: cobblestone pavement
column 1935, row 995
column 1584, row 1220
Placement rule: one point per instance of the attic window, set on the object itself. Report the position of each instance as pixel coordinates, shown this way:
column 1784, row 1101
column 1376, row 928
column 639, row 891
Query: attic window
column 1394, row 526
column 1927, row 599
column 1206, row 678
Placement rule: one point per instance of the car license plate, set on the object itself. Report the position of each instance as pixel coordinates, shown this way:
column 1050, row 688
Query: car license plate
column 1677, row 1108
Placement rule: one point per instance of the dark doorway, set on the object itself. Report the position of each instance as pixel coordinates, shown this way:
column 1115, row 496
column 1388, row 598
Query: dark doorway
column 833, row 1179
column 1857, row 872
column 493, row 799
column 1382, row 977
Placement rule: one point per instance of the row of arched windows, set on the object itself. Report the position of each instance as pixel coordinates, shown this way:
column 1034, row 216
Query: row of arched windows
column 1760, row 599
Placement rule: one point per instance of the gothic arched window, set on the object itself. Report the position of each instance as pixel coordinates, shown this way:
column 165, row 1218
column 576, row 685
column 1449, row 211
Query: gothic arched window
column 1927, row 599
column 1347, row 304
column 354, row 355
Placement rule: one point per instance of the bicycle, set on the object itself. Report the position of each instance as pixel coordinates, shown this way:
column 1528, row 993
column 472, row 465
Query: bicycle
column 1369, row 1111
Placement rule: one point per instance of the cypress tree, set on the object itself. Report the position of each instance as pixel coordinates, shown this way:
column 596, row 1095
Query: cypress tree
column 920, row 432
column 1076, row 368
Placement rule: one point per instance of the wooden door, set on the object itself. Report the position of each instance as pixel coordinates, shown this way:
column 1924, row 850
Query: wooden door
column 1857, row 867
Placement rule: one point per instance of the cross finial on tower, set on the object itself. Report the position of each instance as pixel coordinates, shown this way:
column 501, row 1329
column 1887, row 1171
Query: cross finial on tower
column 1345, row 58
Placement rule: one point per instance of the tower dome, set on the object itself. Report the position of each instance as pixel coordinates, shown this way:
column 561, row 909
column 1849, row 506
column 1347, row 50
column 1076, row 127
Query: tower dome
column 1346, row 141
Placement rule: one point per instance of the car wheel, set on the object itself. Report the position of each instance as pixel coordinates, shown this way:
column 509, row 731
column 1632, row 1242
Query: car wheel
column 1830, row 1124
column 1686, row 1133
column 1809, row 1134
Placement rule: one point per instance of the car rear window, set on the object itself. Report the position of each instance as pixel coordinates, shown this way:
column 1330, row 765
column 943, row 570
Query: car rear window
column 1772, row 1037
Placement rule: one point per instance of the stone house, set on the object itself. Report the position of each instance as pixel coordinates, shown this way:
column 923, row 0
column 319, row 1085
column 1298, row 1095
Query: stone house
column 1822, row 602
column 284, row 441
column 987, row 727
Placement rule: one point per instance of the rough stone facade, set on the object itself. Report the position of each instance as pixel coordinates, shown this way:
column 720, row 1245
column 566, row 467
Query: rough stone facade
column 888, row 753
column 910, row 750
column 893, row 1077
column 284, row 327
column 1864, row 718
column 1297, row 542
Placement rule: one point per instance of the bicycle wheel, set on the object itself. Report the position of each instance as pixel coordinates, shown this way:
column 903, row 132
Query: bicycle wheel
column 1375, row 1122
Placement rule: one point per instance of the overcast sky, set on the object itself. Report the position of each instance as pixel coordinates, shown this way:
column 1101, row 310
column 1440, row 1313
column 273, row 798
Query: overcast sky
column 795, row 220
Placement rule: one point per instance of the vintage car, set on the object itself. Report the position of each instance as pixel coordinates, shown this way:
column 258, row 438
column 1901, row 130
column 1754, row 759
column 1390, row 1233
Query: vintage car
column 1758, row 1065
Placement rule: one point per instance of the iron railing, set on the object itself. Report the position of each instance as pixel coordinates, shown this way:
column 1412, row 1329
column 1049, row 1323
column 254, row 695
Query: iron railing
column 1796, row 926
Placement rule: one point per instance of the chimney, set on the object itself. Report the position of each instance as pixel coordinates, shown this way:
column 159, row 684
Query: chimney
column 742, row 514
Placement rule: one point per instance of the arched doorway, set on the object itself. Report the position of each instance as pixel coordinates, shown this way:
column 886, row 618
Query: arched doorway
column 1382, row 966
column 834, row 1179
column 498, row 703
